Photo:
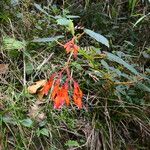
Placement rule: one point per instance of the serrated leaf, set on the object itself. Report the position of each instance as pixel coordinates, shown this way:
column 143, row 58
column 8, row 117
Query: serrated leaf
column 50, row 39
column 63, row 21
column 117, row 59
column 98, row 37
column 72, row 143
column 27, row 122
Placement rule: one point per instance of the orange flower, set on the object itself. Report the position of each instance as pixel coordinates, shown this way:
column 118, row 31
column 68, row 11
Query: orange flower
column 61, row 97
column 59, row 100
column 77, row 95
column 71, row 46
column 48, row 85
column 65, row 92
column 56, row 89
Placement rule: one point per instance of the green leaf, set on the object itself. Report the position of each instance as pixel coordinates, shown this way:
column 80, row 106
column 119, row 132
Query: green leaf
column 117, row 59
column 29, row 68
column 148, row 70
column 98, row 37
column 44, row 131
column 140, row 19
column 71, row 27
column 9, row 120
column 71, row 16
column 104, row 63
column 12, row 44
column 77, row 65
column 72, row 143
column 63, row 21
column 27, row 122
column 40, row 8
column 143, row 87
column 50, row 39
column 66, row 22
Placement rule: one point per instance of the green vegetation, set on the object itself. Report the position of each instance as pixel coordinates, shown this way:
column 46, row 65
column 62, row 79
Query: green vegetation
column 112, row 69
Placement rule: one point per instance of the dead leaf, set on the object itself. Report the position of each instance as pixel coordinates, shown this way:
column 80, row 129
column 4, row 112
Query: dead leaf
column 33, row 88
column 40, row 94
column 3, row 68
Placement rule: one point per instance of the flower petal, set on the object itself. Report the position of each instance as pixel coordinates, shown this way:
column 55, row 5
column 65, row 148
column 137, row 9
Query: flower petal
column 77, row 95
column 58, row 102
column 56, row 89
column 48, row 85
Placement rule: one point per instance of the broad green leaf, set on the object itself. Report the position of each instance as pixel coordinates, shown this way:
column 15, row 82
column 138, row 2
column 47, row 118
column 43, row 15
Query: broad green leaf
column 63, row 21
column 50, row 39
column 27, row 122
column 44, row 131
column 68, row 23
column 12, row 44
column 72, row 143
column 117, row 59
column 98, row 37
column 71, row 27
column 9, row 120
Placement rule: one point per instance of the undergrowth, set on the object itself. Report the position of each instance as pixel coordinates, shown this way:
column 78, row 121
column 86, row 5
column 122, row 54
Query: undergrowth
column 114, row 76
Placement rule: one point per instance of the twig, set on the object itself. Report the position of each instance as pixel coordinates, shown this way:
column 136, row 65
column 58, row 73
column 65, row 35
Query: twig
column 44, row 62
column 59, row 43
column 78, row 37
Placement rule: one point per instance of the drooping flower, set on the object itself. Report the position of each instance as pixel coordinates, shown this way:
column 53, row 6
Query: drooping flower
column 61, row 96
column 55, row 89
column 71, row 46
column 77, row 95
column 59, row 99
column 65, row 92
column 47, row 87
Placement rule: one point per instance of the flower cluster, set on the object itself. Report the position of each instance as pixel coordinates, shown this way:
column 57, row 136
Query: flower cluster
column 71, row 46
column 60, row 92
